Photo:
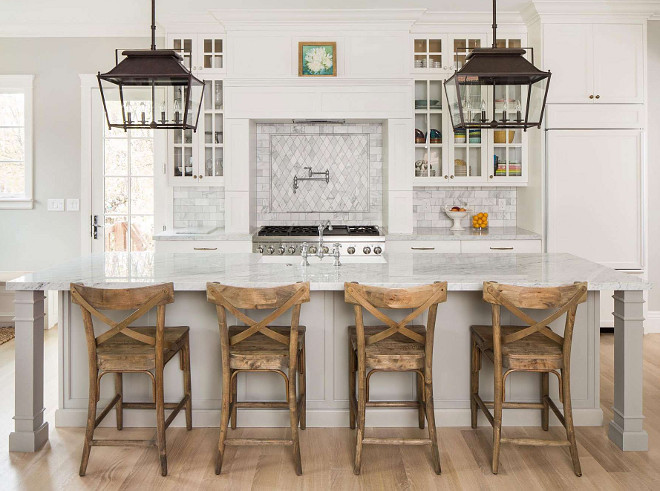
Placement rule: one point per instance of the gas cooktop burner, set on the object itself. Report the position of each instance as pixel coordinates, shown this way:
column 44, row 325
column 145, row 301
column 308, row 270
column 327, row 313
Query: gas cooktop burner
column 310, row 230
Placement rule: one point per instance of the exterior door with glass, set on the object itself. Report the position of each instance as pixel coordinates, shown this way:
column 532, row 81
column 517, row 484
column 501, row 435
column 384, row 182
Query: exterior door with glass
column 124, row 179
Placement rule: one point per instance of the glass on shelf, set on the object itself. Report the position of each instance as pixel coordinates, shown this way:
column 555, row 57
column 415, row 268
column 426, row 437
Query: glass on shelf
column 187, row 162
column 420, row 45
column 421, row 163
column 420, row 61
column 218, row 94
column 435, row 61
column 460, row 162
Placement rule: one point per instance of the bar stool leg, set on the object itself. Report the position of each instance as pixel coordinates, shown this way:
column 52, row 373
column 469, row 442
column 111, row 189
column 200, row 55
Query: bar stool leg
column 224, row 418
column 568, row 416
column 497, row 419
column 302, row 370
column 351, row 384
column 119, row 407
column 420, row 399
column 293, row 416
column 91, row 419
column 185, row 353
column 430, row 415
column 234, row 398
column 160, row 422
column 359, row 436
column 545, row 392
column 474, row 383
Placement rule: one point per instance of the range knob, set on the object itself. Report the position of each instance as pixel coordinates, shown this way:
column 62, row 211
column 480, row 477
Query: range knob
column 312, row 249
column 260, row 249
column 351, row 250
column 280, row 250
column 325, row 249
column 367, row 250
column 292, row 250
column 377, row 250
column 270, row 249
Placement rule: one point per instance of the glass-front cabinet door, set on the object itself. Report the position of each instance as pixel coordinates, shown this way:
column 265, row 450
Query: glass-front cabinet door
column 197, row 158
column 431, row 54
column 430, row 153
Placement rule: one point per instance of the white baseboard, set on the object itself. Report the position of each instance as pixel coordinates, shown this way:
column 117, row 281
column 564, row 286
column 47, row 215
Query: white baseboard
column 652, row 322
column 326, row 418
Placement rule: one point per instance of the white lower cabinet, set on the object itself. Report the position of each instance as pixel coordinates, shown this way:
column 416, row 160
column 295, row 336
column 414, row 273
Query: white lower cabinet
column 466, row 246
column 203, row 246
column 499, row 246
column 428, row 246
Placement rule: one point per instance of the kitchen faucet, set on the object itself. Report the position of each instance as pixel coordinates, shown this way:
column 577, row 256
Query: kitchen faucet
column 322, row 227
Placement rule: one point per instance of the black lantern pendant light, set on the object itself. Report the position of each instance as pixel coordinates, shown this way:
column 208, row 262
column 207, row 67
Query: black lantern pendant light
column 151, row 89
column 515, row 89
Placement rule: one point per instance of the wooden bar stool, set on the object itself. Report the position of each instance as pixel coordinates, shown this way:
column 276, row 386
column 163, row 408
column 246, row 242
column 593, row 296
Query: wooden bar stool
column 530, row 348
column 124, row 349
column 261, row 347
column 393, row 347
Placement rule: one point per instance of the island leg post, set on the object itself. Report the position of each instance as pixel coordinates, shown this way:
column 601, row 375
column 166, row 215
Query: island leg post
column 626, row 428
column 30, row 431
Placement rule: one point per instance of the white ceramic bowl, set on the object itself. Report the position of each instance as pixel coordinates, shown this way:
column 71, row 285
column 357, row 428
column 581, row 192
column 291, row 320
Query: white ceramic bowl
column 457, row 216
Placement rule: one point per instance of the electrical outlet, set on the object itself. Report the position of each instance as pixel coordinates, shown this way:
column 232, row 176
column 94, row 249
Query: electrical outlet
column 501, row 204
column 72, row 204
column 56, row 204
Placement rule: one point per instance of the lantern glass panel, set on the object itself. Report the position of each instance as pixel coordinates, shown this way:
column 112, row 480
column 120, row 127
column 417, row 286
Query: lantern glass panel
column 452, row 101
column 536, row 100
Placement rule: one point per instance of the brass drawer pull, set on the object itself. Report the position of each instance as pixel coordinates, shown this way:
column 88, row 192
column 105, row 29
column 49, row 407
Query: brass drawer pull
column 510, row 248
column 205, row 248
column 423, row 248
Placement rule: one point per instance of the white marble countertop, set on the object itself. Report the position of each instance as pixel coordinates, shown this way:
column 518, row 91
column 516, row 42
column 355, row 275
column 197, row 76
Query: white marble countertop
column 191, row 271
column 491, row 233
column 189, row 234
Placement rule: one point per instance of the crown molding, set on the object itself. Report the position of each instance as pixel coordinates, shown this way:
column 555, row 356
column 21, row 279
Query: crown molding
column 98, row 30
column 585, row 10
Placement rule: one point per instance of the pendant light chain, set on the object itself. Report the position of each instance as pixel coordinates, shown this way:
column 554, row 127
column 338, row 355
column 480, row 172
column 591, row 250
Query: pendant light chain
column 153, row 24
column 494, row 24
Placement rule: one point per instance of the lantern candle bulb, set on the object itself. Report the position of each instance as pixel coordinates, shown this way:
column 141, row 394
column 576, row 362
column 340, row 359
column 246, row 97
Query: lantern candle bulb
column 177, row 108
column 518, row 112
column 162, row 113
column 483, row 110
column 129, row 116
column 143, row 115
column 504, row 108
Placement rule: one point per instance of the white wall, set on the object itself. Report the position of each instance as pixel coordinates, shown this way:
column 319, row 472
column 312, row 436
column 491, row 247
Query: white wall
column 653, row 139
column 35, row 239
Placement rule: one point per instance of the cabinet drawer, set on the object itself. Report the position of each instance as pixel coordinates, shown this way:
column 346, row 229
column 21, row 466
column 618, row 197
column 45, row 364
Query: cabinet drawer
column 203, row 246
column 495, row 246
column 421, row 246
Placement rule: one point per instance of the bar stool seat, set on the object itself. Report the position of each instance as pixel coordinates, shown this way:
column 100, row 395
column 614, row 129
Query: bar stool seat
column 259, row 352
column 398, row 349
column 112, row 354
column 535, row 350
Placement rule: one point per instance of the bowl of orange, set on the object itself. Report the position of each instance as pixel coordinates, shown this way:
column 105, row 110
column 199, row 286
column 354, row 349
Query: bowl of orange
column 480, row 220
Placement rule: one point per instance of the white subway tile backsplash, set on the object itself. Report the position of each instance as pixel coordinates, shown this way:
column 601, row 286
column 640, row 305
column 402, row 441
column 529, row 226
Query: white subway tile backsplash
column 199, row 207
column 429, row 203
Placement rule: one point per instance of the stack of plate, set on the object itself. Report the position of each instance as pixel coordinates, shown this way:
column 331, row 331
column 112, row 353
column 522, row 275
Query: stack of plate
column 460, row 168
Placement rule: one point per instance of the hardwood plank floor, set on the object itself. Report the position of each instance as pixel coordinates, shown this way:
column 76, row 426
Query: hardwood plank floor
column 327, row 453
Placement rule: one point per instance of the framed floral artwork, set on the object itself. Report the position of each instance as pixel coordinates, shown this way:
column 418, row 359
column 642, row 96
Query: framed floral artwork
column 317, row 59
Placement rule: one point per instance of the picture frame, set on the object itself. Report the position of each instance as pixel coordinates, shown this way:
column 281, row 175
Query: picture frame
column 317, row 59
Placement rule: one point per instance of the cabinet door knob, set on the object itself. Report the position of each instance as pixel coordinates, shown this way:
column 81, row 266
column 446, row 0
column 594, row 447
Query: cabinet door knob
column 195, row 177
column 451, row 177
column 490, row 177
column 598, row 96
column 591, row 96
column 446, row 177
column 201, row 176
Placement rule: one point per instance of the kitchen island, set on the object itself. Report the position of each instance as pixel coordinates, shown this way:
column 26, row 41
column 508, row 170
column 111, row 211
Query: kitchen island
column 326, row 317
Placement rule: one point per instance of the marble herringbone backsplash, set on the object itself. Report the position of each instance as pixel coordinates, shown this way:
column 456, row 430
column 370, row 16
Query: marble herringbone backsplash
column 353, row 153
column 429, row 203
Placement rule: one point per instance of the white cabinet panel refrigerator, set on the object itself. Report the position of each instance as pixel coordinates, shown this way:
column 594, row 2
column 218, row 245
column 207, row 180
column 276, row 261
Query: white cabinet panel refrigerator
column 595, row 198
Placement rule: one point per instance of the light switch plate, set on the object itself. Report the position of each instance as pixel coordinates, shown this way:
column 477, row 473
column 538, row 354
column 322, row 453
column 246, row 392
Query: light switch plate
column 56, row 204
column 72, row 204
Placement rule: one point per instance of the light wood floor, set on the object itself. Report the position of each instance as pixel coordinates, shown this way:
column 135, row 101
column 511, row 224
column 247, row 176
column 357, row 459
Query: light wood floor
column 327, row 453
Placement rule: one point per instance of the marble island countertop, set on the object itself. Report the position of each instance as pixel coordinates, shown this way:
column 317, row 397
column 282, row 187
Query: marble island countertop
column 491, row 233
column 191, row 271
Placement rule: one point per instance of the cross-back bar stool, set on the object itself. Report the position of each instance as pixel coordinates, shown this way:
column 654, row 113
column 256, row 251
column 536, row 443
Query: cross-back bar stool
column 392, row 347
column 261, row 347
column 124, row 349
column 530, row 348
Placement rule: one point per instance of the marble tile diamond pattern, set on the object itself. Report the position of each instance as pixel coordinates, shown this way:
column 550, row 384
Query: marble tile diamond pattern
column 346, row 156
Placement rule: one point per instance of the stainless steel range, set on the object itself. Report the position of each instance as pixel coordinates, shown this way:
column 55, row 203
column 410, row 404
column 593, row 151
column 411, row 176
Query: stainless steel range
column 358, row 240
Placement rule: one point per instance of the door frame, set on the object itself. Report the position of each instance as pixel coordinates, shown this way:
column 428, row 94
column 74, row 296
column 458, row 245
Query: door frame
column 163, row 194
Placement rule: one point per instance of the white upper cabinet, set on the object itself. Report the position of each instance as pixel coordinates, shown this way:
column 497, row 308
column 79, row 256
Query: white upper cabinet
column 594, row 63
column 618, row 63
